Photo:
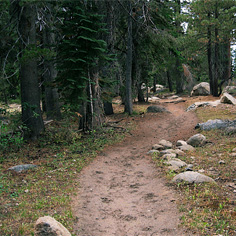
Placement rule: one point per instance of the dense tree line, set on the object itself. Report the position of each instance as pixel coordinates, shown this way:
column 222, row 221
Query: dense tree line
column 80, row 54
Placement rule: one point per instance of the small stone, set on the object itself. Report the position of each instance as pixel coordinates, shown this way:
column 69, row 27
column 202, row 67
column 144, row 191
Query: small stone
column 27, row 190
column 169, row 156
column 234, row 150
column 20, row 168
column 153, row 151
column 187, row 148
column 165, row 143
column 193, row 158
column 201, row 171
column 221, row 162
column 157, row 147
column 181, row 143
column 233, row 154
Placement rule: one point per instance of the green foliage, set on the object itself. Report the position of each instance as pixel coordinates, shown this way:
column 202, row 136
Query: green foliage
column 80, row 49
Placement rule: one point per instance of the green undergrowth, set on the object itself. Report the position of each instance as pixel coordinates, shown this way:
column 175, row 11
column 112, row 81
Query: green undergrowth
column 209, row 209
column 60, row 154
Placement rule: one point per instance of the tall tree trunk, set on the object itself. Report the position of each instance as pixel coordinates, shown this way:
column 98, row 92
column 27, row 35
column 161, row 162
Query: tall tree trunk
column 30, row 93
column 169, row 81
column 51, row 93
column 128, row 98
column 154, row 84
column 216, row 64
column 98, row 109
column 179, row 79
column 209, row 57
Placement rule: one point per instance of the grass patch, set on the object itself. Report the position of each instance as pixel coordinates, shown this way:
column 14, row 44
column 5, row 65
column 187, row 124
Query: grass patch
column 60, row 154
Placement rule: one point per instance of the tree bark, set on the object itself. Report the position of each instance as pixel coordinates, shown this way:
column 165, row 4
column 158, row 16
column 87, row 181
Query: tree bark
column 169, row 81
column 216, row 64
column 50, row 73
column 30, row 93
column 209, row 57
column 128, row 98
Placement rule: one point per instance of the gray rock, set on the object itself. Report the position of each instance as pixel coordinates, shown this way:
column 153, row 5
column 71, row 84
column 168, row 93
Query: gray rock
column 216, row 124
column 203, row 104
column 233, row 154
column 175, row 163
column 20, row 168
column 221, row 162
column 230, row 130
column 48, row 226
column 192, row 177
column 157, row 147
column 166, row 144
column 153, row 151
column 234, row 150
column 173, row 97
column 180, row 143
column 202, row 89
column 189, row 167
column 166, row 151
column 228, row 99
column 230, row 89
column 197, row 140
column 187, row 148
column 179, row 152
column 156, row 109
column 169, row 156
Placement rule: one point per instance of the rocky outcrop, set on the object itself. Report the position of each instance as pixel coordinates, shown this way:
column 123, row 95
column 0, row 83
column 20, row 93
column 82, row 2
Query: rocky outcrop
column 48, row 226
column 202, row 89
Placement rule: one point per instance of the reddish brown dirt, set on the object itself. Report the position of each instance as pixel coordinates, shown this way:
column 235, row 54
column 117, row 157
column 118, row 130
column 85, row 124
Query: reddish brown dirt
column 122, row 193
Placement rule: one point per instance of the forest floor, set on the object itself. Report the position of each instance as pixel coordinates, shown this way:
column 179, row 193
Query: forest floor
column 97, row 185
column 122, row 192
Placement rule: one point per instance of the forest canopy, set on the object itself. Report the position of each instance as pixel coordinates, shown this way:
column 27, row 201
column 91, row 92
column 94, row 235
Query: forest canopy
column 76, row 56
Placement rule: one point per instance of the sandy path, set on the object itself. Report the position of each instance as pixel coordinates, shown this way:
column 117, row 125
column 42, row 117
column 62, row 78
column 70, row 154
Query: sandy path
column 121, row 193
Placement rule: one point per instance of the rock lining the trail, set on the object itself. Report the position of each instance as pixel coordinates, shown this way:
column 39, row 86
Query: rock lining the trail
column 48, row 226
column 192, row 177
column 197, row 140
column 225, row 99
column 157, row 109
column 169, row 156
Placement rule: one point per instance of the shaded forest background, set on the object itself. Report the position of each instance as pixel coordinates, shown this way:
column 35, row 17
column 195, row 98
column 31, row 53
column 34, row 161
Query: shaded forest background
column 76, row 56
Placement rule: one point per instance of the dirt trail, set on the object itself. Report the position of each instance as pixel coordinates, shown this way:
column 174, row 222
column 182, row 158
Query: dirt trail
column 122, row 193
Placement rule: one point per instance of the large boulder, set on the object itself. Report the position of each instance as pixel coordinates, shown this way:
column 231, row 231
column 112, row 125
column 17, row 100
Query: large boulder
column 197, row 140
column 216, row 124
column 202, row 89
column 192, row 177
column 156, row 109
column 228, row 99
column 48, row 226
